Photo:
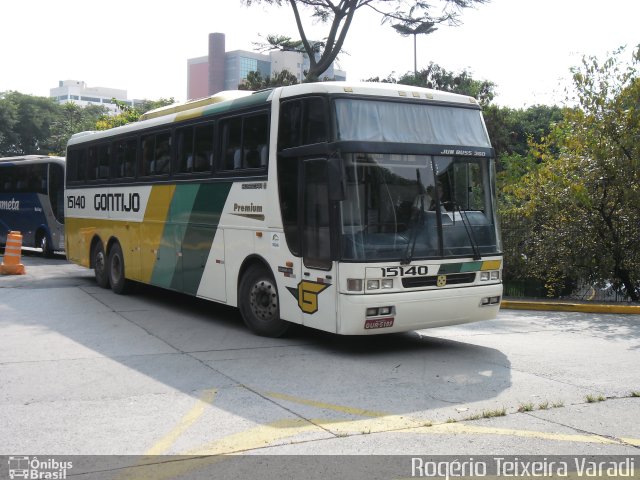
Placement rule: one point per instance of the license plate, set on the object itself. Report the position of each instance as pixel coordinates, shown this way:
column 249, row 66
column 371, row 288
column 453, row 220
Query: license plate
column 378, row 323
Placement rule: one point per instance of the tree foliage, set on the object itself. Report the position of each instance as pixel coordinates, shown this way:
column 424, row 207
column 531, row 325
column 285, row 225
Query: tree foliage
column 438, row 78
column 25, row 122
column 32, row 125
column 255, row 81
column 128, row 114
column 72, row 119
column 582, row 200
column 338, row 15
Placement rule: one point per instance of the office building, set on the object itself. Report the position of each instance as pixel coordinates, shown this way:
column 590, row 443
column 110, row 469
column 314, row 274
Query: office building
column 221, row 70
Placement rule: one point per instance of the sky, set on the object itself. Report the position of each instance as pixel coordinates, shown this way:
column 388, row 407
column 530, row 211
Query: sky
column 526, row 47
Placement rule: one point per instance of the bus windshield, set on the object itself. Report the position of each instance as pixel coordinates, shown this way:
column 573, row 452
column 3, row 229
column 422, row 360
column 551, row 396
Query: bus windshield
column 402, row 207
column 425, row 124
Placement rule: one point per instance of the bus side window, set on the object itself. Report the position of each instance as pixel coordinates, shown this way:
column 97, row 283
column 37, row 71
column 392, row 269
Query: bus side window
column 231, row 141
column 6, row 185
column 184, row 138
column 104, row 157
column 92, row 163
column 148, row 146
column 76, row 165
column 303, row 122
column 125, row 158
column 315, row 121
column 203, row 151
column 162, row 155
column 255, row 136
column 289, row 128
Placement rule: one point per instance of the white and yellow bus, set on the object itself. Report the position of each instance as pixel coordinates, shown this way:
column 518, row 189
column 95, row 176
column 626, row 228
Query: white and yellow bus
column 350, row 208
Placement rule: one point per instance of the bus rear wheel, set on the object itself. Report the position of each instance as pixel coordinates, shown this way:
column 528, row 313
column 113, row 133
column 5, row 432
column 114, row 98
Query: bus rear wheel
column 119, row 284
column 259, row 305
column 44, row 243
column 99, row 262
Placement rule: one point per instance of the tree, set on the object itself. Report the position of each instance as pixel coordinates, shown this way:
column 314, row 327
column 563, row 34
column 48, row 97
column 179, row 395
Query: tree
column 128, row 113
column 436, row 77
column 338, row 15
column 582, row 201
column 255, row 81
column 24, row 124
column 423, row 28
column 71, row 119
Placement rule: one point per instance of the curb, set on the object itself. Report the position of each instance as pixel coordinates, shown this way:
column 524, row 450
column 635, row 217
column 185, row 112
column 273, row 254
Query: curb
column 570, row 307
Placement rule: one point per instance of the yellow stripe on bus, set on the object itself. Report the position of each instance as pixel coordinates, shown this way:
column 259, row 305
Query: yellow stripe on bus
column 155, row 218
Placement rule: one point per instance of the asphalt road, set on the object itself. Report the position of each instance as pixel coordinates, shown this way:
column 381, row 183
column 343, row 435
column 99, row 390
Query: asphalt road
column 86, row 372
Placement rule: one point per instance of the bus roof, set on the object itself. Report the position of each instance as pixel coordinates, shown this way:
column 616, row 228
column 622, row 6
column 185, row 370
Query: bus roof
column 393, row 90
column 200, row 102
column 32, row 159
column 233, row 100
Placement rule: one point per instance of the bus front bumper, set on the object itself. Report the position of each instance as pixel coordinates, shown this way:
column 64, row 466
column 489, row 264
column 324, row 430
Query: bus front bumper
column 417, row 310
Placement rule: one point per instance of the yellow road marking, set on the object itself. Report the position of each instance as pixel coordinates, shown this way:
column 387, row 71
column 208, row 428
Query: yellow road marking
column 631, row 441
column 479, row 430
column 164, row 444
column 326, row 406
column 271, row 433
column 257, row 437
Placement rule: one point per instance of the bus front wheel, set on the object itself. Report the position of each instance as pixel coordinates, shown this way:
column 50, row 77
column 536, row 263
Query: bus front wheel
column 258, row 301
column 99, row 262
column 119, row 284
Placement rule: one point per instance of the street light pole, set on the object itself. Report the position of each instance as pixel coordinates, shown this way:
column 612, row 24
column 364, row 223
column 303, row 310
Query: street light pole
column 415, row 56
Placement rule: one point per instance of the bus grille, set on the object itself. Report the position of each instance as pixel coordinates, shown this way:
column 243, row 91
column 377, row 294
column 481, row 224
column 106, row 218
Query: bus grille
column 432, row 281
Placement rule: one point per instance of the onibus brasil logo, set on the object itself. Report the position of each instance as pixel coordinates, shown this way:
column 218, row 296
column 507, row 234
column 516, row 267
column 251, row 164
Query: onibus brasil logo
column 33, row 468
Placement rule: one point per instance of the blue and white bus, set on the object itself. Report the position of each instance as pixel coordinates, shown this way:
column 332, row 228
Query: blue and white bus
column 32, row 201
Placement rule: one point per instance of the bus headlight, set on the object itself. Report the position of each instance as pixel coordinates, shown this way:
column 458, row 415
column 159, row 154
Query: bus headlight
column 354, row 284
column 490, row 275
column 373, row 284
column 387, row 283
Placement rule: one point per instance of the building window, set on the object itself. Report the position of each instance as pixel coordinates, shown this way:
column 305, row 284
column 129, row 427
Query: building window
column 247, row 65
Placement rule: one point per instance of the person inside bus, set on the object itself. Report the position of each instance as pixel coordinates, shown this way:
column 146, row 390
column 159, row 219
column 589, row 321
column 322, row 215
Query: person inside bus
column 162, row 162
column 436, row 191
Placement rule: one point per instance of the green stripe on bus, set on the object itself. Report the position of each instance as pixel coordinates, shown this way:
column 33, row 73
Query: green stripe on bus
column 168, row 259
column 446, row 268
column 201, row 230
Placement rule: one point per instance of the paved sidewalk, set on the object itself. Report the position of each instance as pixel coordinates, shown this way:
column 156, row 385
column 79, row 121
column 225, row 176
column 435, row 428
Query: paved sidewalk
column 569, row 306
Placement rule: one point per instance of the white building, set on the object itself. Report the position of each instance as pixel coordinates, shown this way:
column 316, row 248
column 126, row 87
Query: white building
column 77, row 92
column 297, row 63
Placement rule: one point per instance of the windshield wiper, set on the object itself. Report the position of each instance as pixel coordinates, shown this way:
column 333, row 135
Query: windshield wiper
column 468, row 229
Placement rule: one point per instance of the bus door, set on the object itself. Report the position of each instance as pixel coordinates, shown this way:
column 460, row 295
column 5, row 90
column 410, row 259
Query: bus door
column 317, row 286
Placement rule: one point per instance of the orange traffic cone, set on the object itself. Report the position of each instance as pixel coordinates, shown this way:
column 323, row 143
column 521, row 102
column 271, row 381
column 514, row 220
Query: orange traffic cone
column 11, row 261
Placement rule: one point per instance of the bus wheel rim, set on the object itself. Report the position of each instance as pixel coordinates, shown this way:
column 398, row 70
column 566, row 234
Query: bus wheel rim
column 263, row 300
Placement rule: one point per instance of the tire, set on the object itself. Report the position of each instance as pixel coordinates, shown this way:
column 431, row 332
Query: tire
column 45, row 245
column 259, row 303
column 100, row 265
column 116, row 271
